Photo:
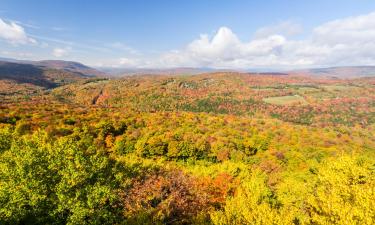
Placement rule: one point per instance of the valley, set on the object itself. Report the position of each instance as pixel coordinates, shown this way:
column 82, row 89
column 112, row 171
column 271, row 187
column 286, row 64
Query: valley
column 211, row 148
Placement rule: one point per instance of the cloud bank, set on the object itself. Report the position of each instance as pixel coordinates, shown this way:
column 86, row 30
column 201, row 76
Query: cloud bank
column 348, row 41
column 14, row 33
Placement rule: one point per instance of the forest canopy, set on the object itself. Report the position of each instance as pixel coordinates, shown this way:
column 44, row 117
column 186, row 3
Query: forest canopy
column 207, row 149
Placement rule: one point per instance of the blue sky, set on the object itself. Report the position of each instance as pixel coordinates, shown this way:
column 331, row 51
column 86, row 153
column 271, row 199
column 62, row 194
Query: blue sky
column 196, row 33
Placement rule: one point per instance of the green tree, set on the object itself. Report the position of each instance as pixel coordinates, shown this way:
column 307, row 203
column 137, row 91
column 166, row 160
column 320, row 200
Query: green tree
column 68, row 181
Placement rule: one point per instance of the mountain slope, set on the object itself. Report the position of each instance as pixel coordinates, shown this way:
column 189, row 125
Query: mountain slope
column 69, row 66
column 341, row 72
column 20, row 78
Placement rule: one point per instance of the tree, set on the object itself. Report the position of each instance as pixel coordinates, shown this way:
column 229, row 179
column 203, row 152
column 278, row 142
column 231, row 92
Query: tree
column 254, row 203
column 68, row 181
column 344, row 192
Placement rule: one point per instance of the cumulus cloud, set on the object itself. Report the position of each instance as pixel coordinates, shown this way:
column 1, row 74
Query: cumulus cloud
column 360, row 29
column 14, row 33
column 61, row 52
column 347, row 41
column 225, row 50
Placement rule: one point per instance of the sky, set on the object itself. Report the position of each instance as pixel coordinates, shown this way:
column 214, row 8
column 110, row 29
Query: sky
column 230, row 34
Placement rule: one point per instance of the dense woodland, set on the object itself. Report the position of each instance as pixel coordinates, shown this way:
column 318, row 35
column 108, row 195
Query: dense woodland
column 216, row 148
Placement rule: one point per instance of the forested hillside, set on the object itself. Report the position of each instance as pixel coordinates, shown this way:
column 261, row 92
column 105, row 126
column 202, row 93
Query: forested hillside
column 23, row 79
column 215, row 148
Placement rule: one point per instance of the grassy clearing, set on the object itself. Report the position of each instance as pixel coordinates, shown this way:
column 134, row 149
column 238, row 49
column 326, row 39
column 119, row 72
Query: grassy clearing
column 338, row 87
column 286, row 100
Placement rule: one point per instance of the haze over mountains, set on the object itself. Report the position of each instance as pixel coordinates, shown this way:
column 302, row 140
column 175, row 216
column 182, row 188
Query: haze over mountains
column 341, row 72
column 53, row 73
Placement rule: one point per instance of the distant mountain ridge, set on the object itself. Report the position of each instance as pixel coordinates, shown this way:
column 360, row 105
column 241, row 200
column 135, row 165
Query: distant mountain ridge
column 25, row 78
column 40, row 76
column 69, row 66
column 340, row 72
column 79, row 68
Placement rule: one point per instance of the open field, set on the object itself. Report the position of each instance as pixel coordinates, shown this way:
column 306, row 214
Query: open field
column 286, row 100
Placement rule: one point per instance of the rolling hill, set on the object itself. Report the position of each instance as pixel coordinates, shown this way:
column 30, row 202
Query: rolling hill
column 69, row 66
column 22, row 78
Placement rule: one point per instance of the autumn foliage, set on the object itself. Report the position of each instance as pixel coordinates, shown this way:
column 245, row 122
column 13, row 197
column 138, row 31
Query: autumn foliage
column 222, row 148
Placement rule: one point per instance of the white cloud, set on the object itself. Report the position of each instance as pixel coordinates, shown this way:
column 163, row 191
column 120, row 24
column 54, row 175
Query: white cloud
column 14, row 33
column 61, row 52
column 224, row 45
column 348, row 41
column 360, row 29
column 226, row 50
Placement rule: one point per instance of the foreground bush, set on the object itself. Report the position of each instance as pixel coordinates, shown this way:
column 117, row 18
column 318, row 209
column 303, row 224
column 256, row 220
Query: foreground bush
column 342, row 192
